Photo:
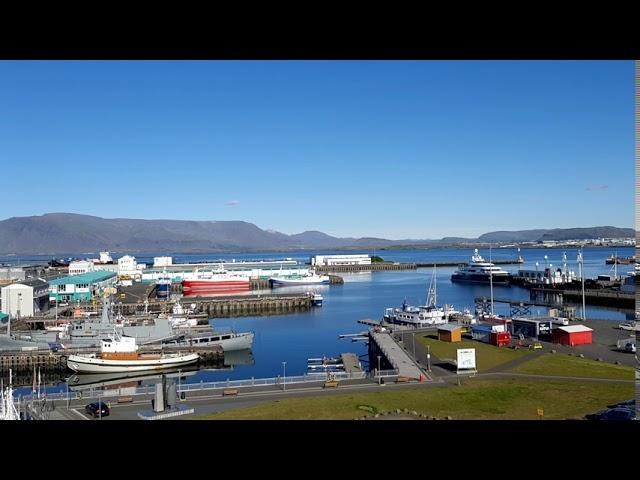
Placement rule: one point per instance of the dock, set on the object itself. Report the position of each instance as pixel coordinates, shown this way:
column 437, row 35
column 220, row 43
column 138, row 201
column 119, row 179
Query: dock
column 383, row 266
column 516, row 261
column 351, row 363
column 605, row 298
column 392, row 356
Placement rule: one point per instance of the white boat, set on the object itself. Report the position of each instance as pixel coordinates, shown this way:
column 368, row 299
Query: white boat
column 229, row 341
column 481, row 271
column 8, row 410
column 316, row 300
column 120, row 354
column 429, row 314
column 292, row 280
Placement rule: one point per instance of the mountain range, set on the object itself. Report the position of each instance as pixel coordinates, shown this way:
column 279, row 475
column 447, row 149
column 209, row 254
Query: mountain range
column 54, row 233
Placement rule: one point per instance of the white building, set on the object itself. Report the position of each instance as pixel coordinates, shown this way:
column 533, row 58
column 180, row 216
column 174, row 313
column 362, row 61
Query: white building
column 330, row 260
column 26, row 298
column 127, row 265
column 162, row 261
column 80, row 266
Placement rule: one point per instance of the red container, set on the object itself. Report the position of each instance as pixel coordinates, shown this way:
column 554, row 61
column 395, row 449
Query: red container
column 500, row 339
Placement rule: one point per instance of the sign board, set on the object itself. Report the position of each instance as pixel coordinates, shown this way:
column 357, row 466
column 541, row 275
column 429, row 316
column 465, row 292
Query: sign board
column 466, row 359
column 540, row 412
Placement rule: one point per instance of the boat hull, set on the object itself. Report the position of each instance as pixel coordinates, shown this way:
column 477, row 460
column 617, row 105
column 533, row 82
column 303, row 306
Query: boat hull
column 82, row 364
column 289, row 282
column 497, row 279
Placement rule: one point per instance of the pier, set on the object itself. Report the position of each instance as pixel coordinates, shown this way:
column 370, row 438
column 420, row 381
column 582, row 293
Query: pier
column 606, row 298
column 365, row 268
column 516, row 261
column 392, row 356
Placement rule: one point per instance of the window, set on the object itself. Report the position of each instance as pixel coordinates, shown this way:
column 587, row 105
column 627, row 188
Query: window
column 226, row 337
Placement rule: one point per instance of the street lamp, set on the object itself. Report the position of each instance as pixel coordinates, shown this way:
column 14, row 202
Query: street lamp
column 284, row 376
column 378, row 369
column 413, row 334
column 429, row 357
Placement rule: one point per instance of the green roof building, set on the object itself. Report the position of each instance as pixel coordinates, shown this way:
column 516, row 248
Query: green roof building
column 80, row 287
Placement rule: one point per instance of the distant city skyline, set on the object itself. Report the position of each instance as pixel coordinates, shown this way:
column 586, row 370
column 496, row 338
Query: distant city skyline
column 390, row 149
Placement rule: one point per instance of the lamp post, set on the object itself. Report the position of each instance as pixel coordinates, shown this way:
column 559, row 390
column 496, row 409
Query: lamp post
column 179, row 375
column 378, row 369
column 284, row 376
column 429, row 357
column 413, row 334
column 19, row 305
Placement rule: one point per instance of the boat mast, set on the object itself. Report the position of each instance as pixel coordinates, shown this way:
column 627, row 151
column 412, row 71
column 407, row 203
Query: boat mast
column 491, row 279
column 581, row 264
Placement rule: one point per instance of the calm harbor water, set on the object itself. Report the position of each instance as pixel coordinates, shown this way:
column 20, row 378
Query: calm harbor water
column 293, row 338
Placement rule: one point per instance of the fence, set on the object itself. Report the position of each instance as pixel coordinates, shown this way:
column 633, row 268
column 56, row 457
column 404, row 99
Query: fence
column 204, row 386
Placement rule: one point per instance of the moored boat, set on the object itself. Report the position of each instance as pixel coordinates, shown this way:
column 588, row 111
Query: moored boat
column 292, row 280
column 481, row 271
column 120, row 354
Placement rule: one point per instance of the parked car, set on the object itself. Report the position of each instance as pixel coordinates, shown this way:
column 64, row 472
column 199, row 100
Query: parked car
column 613, row 414
column 97, row 409
column 631, row 404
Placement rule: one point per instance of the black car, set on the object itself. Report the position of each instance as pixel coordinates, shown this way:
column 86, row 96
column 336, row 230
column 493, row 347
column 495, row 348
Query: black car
column 613, row 414
column 630, row 404
column 97, row 409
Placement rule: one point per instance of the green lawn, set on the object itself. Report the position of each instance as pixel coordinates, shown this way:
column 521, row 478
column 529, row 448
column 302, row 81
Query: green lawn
column 487, row 356
column 567, row 365
column 475, row 399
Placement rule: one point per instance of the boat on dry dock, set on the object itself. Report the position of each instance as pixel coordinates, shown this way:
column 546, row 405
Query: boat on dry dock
column 120, row 354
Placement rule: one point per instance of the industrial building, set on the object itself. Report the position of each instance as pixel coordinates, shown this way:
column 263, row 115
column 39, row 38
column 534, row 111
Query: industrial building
column 573, row 335
column 80, row 266
column 450, row 333
column 25, row 299
column 332, row 260
column 22, row 272
column 80, row 287
column 532, row 327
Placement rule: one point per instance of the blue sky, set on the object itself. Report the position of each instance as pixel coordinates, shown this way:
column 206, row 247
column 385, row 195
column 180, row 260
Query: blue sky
column 418, row 149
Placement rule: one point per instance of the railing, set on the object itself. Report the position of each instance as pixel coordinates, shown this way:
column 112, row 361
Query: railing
column 203, row 386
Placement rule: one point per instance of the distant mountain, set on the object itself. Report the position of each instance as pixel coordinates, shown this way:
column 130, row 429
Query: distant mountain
column 557, row 234
column 67, row 232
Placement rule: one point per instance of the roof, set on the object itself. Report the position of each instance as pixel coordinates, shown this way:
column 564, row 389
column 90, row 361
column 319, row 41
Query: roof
column 89, row 277
column 483, row 327
column 575, row 329
column 33, row 282
column 449, row 327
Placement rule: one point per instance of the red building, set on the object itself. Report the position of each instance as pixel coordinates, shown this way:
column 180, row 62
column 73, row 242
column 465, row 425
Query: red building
column 573, row 335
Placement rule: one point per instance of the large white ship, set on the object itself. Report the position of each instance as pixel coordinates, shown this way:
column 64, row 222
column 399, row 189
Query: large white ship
column 481, row 271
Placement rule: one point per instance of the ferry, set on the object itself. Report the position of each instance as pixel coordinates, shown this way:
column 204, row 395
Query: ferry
column 481, row 271
column 120, row 354
column 292, row 280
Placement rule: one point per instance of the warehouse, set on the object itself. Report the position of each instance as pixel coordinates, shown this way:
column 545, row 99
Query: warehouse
column 80, row 287
column 450, row 333
column 532, row 327
column 573, row 335
column 24, row 299
column 331, row 260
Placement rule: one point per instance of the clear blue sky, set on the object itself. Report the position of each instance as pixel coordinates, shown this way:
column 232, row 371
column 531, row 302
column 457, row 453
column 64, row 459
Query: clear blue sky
column 419, row 149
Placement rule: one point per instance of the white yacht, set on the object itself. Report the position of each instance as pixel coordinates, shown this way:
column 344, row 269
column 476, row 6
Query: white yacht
column 481, row 271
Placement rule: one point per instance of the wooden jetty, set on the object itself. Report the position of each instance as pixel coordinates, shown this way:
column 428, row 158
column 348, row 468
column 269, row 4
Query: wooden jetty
column 382, row 266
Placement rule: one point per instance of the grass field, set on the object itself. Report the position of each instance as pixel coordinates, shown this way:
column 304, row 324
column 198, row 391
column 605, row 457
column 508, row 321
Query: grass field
column 487, row 356
column 475, row 399
column 567, row 365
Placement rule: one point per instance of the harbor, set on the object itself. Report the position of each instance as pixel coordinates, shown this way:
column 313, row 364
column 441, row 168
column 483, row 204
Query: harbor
column 301, row 325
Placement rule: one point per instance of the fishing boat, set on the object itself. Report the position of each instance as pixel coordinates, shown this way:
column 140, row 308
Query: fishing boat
column 292, row 280
column 120, row 354
column 214, row 282
column 316, row 300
